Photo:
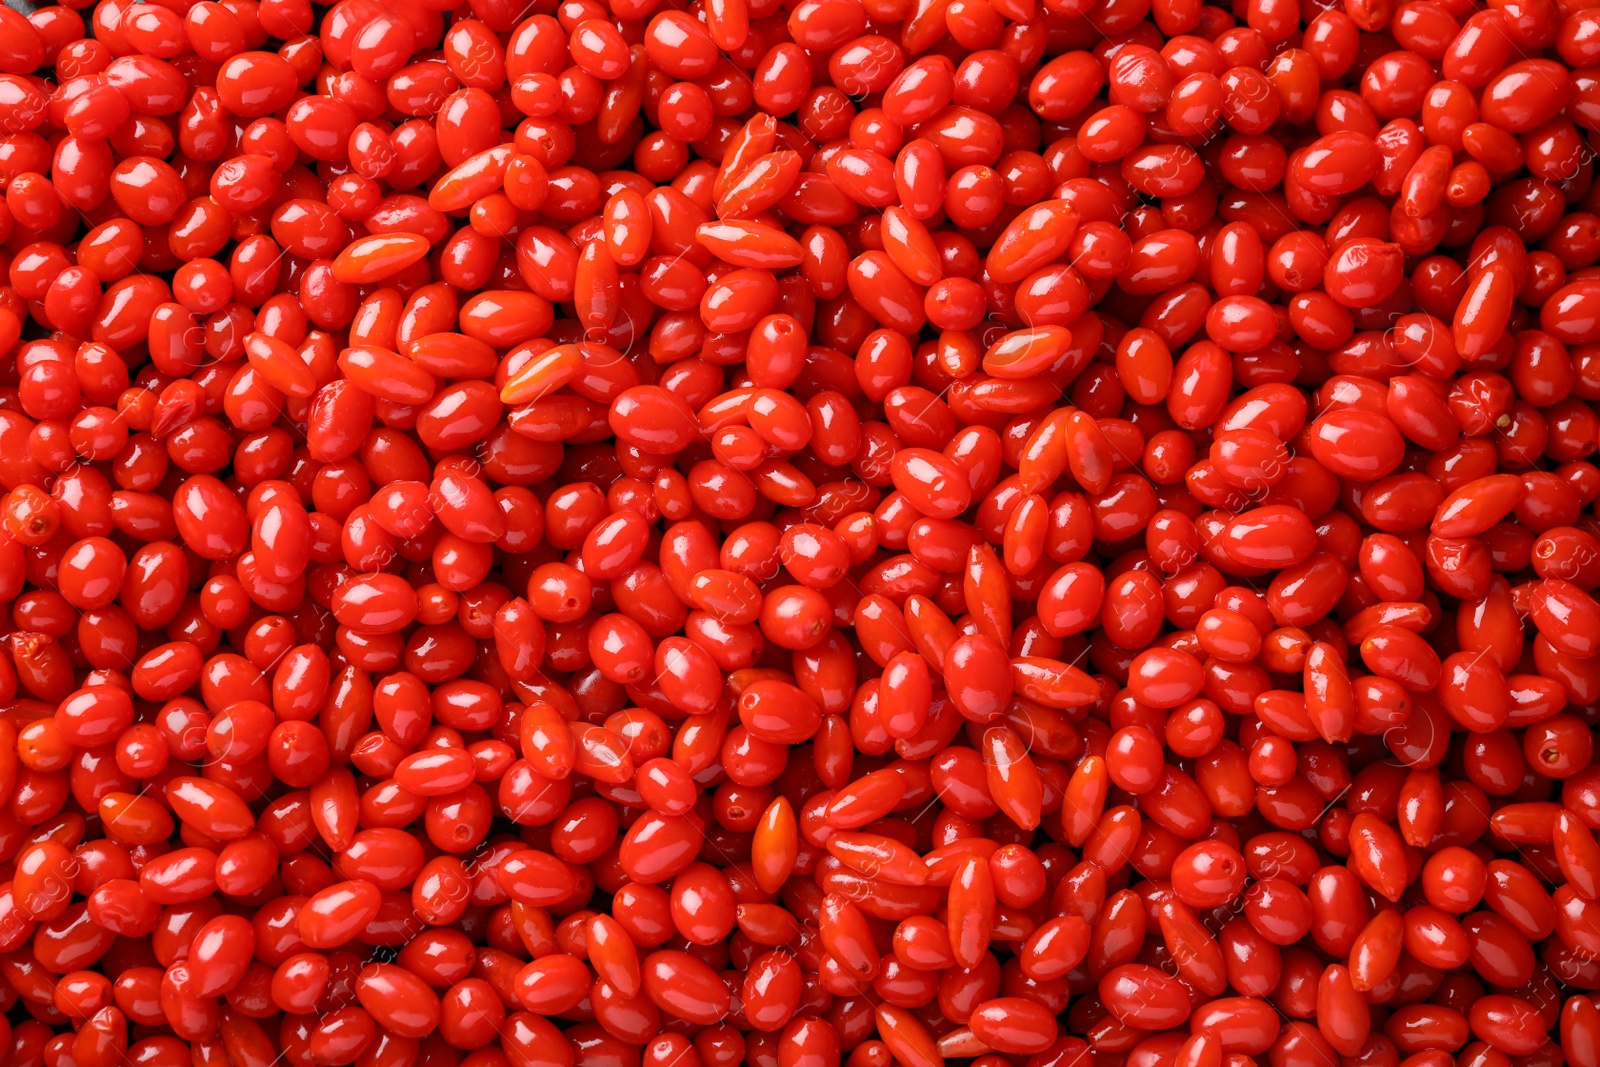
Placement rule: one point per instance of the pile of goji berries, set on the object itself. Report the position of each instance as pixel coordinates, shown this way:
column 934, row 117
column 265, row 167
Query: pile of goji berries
column 800, row 533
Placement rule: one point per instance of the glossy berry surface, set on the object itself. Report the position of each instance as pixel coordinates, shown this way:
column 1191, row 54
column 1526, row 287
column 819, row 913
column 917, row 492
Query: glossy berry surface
column 799, row 533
